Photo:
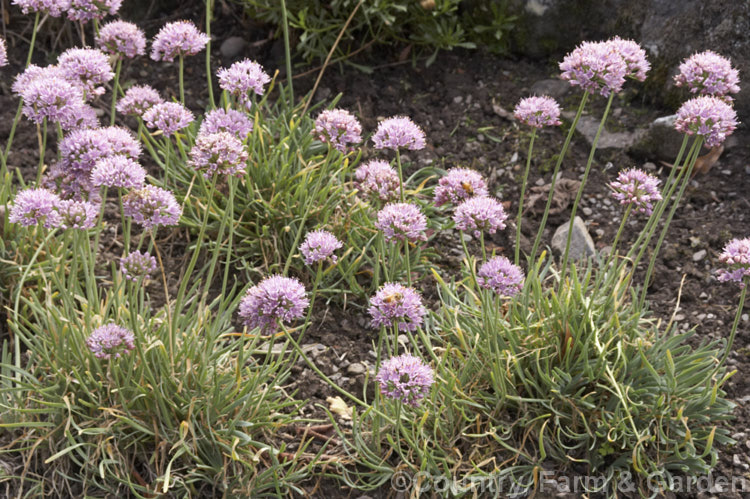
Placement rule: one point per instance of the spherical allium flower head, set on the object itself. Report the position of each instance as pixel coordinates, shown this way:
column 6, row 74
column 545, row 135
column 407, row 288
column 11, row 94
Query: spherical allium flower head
column 399, row 132
column 32, row 73
column 118, row 170
column 319, row 245
column 596, row 67
column 339, row 128
column 396, row 305
column 459, row 184
column 275, row 298
column 88, row 68
column 55, row 8
column 501, row 276
column 402, row 222
column 538, row 111
column 59, row 102
column 3, row 53
column 137, row 265
column 378, row 179
column 219, row 153
column 241, row 78
column 179, row 38
column 736, row 255
column 86, row 10
column 122, row 39
column 77, row 214
column 637, row 188
column 633, row 55
column 226, row 120
column 138, row 99
column 708, row 116
column 708, row 73
column 35, row 206
column 110, row 341
column 151, row 206
column 480, row 214
column 405, row 378
column 169, row 117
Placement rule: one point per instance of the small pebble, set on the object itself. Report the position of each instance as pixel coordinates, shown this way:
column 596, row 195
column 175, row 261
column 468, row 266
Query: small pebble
column 699, row 255
column 587, row 211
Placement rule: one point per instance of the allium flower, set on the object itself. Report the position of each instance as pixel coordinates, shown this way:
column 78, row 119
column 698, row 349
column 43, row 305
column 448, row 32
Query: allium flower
column 396, row 305
column 219, row 153
column 736, row 254
column 319, row 245
column 137, row 265
column 138, row 99
column 338, row 127
column 179, row 38
column 111, row 341
column 77, row 214
column 378, row 179
column 32, row 73
column 708, row 73
column 637, row 188
column 398, row 132
column 596, row 67
column 708, row 116
column 122, row 39
column 151, row 206
column 538, row 111
column 226, row 120
column 633, row 55
column 459, row 184
column 88, row 68
column 169, row 117
column 501, row 276
column 35, row 206
column 480, row 214
column 275, row 298
column 59, row 102
column 118, row 170
column 402, row 221
column 405, row 378
column 54, row 8
column 3, row 53
column 86, row 10
column 241, row 78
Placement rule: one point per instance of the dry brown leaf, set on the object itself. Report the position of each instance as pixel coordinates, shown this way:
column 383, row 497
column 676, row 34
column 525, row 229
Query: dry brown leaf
column 565, row 193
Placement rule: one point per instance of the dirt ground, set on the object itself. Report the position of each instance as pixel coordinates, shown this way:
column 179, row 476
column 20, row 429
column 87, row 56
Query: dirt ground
column 463, row 102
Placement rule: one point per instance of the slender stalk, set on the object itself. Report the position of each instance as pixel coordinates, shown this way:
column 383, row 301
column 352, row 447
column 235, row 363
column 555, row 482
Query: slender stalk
column 287, row 50
column 582, row 186
column 400, row 175
column 560, row 158
column 736, row 322
column 42, row 149
column 408, row 262
column 182, row 79
column 115, row 88
column 523, row 192
column 17, row 117
column 688, row 174
column 613, row 250
column 209, row 73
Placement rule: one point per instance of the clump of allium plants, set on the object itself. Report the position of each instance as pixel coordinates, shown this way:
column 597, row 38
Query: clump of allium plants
column 150, row 371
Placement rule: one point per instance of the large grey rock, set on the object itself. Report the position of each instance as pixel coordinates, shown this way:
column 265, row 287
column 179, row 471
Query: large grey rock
column 581, row 244
column 553, row 88
column 232, row 47
column 588, row 126
column 660, row 141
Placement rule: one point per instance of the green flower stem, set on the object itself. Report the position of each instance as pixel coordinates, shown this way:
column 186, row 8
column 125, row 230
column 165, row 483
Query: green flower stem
column 95, row 249
column 125, row 223
column 42, row 148
column 523, row 192
column 17, row 117
column 209, row 73
column 182, row 79
column 736, row 323
column 172, row 332
column 408, row 262
column 612, row 252
column 688, row 173
column 555, row 172
column 583, row 185
column 115, row 88
column 287, row 50
column 468, row 259
column 400, row 175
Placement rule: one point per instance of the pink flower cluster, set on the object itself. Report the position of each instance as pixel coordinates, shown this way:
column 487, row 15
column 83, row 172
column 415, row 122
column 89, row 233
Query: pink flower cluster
column 110, row 341
column 241, row 79
column 395, row 305
column 219, row 153
column 638, row 189
column 480, row 214
column 708, row 116
column 339, row 128
column 377, row 179
column 122, row 39
column 458, row 185
column 538, row 111
column 402, row 222
column 500, row 275
column 275, row 298
column 397, row 133
column 177, row 39
column 319, row 245
column 708, row 73
column 405, row 378
column 736, row 255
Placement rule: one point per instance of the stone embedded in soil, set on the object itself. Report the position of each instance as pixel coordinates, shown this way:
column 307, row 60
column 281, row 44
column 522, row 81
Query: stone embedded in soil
column 589, row 125
column 581, row 243
column 356, row 368
column 660, row 141
column 699, row 255
column 553, row 88
column 232, row 47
